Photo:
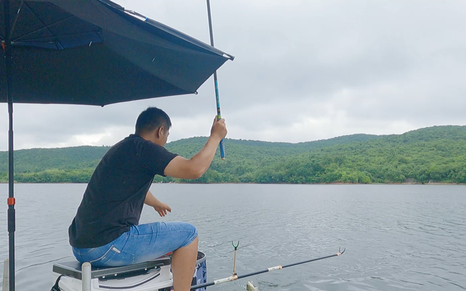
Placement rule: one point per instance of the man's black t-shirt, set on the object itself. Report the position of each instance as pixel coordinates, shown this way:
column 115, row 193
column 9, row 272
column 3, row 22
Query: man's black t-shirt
column 115, row 195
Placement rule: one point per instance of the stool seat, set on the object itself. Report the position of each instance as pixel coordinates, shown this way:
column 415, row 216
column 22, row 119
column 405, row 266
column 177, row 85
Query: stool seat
column 73, row 269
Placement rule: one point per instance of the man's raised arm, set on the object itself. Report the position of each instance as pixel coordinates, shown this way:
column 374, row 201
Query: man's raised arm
column 195, row 167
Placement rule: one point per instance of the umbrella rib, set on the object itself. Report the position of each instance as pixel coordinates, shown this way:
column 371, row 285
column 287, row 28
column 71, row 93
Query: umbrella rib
column 16, row 17
column 44, row 26
column 69, row 34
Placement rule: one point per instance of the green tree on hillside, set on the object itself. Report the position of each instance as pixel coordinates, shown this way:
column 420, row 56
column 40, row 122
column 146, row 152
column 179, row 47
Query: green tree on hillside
column 435, row 154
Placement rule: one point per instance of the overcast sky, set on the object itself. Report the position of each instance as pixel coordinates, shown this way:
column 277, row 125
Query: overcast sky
column 304, row 70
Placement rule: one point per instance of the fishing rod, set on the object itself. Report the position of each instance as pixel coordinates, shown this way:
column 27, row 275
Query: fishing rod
column 236, row 277
column 217, row 98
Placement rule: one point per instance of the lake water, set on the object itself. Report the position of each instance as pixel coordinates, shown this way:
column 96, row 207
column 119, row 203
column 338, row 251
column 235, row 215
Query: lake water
column 397, row 237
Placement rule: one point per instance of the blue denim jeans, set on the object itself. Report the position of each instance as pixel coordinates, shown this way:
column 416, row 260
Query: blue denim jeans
column 141, row 243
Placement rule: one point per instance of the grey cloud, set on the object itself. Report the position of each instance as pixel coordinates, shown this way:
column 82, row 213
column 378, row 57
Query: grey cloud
column 306, row 69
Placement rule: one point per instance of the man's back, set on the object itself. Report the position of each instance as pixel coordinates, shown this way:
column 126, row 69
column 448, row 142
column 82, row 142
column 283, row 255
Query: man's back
column 115, row 195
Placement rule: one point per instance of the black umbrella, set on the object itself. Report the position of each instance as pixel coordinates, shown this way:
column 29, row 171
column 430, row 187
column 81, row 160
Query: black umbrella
column 91, row 52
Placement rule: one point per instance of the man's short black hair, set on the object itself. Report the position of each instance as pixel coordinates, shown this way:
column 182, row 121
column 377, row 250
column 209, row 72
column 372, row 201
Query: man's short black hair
column 152, row 118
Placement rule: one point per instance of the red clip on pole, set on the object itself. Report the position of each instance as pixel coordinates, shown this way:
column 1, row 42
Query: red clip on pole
column 11, row 201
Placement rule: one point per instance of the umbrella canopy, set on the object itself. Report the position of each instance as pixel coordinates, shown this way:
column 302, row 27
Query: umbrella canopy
column 94, row 52
column 91, row 52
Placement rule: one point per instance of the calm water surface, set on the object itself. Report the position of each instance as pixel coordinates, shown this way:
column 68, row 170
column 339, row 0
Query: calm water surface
column 396, row 237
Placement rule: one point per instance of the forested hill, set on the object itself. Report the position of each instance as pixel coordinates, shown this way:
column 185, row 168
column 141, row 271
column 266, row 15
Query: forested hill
column 434, row 154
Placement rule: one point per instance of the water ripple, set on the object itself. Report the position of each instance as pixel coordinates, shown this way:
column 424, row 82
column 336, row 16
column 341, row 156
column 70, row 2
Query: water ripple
column 397, row 237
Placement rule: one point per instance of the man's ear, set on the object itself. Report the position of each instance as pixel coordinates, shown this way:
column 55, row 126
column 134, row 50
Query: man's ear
column 159, row 131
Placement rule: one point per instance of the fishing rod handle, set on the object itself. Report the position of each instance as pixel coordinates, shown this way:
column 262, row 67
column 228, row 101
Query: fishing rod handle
column 219, row 114
column 222, row 149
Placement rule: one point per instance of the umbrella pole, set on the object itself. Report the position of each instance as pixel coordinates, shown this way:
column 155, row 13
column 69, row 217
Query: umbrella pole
column 217, row 98
column 11, row 202
column 11, row 198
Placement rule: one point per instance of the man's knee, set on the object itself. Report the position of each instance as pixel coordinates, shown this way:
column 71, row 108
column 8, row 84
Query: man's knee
column 193, row 234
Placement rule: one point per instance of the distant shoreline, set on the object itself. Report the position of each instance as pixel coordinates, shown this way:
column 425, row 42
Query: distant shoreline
column 429, row 156
column 228, row 183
